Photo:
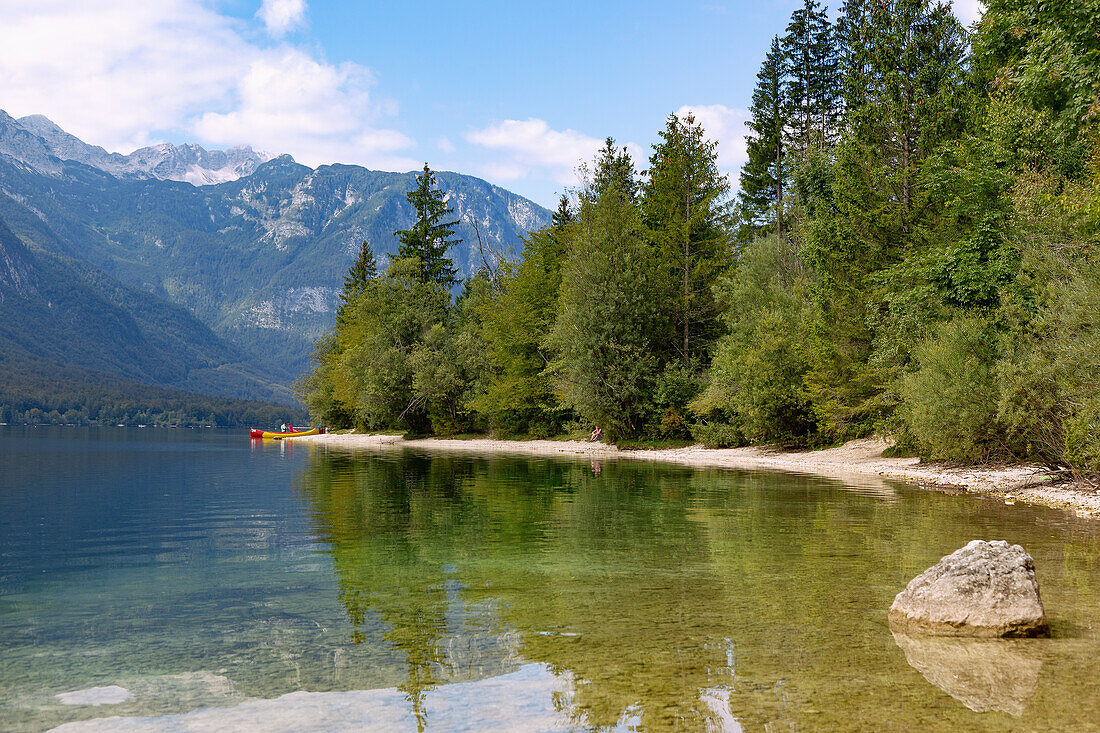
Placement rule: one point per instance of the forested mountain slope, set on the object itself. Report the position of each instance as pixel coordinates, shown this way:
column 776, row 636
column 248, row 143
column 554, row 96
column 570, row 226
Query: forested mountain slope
column 55, row 310
column 261, row 259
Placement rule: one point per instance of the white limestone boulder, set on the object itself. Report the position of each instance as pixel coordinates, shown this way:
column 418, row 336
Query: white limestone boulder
column 986, row 589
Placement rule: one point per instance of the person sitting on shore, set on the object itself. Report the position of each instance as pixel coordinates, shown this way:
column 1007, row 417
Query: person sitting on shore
column 596, row 435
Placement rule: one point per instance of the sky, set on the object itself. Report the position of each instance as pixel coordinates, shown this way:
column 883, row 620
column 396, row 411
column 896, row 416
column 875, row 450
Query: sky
column 519, row 93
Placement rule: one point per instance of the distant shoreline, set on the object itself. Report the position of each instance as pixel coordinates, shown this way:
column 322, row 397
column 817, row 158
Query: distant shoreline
column 858, row 458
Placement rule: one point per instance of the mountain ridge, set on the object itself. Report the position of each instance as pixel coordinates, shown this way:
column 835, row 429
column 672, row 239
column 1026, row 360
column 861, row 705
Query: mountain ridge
column 187, row 163
column 259, row 260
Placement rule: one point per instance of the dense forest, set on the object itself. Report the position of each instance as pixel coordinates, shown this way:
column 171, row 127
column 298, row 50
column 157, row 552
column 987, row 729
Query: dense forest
column 911, row 252
column 46, row 393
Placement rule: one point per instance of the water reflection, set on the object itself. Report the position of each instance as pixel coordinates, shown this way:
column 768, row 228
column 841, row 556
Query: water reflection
column 982, row 674
column 475, row 567
column 666, row 598
column 506, row 594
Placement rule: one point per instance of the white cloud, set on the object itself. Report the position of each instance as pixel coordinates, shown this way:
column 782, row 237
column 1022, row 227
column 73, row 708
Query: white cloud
column 968, row 11
column 287, row 100
column 725, row 125
column 531, row 144
column 446, row 145
column 532, row 147
column 126, row 73
column 281, row 16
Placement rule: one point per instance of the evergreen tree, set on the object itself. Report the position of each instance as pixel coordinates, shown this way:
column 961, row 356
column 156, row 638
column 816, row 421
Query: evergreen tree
column 614, row 168
column 852, row 37
column 764, row 177
column 607, row 333
column 881, row 210
column 564, row 214
column 685, row 205
column 812, row 87
column 429, row 239
column 361, row 272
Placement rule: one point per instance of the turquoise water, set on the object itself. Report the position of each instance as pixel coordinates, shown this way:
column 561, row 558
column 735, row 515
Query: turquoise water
column 194, row 580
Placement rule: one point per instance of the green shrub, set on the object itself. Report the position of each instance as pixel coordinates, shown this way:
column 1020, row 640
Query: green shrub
column 949, row 403
column 1031, row 406
column 717, row 434
column 1082, row 430
column 759, row 366
column 675, row 387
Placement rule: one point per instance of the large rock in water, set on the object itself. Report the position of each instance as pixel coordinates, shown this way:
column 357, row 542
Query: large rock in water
column 984, row 589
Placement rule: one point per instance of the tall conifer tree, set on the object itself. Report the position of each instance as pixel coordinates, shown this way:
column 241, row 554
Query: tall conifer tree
column 812, row 78
column 686, row 207
column 564, row 214
column 764, row 177
column 430, row 237
column 361, row 272
column 613, row 168
column 853, row 38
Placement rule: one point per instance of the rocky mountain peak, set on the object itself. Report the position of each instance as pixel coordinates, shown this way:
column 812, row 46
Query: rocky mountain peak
column 40, row 143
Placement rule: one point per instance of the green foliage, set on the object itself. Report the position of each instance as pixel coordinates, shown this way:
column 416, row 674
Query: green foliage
column 610, row 319
column 612, row 169
column 950, row 401
column 759, row 366
column 686, row 208
column 373, row 365
column 673, row 392
column 317, row 389
column 764, row 175
column 519, row 397
column 361, row 272
column 1050, row 378
column 450, row 365
column 1042, row 62
column 717, row 434
column 430, row 237
column 811, row 96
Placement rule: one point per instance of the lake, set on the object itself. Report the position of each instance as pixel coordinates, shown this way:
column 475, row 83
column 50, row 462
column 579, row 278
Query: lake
column 195, row 580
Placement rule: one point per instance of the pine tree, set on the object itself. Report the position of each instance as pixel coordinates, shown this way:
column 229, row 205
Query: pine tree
column 913, row 96
column 812, row 88
column 429, row 239
column 685, row 205
column 614, row 168
column 564, row 214
column 361, row 272
column 764, row 177
column 852, row 37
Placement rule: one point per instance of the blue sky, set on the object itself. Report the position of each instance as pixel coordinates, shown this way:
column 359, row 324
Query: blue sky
column 518, row 93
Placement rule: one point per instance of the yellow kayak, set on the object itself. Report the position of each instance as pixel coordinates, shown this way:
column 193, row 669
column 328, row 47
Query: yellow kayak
column 257, row 433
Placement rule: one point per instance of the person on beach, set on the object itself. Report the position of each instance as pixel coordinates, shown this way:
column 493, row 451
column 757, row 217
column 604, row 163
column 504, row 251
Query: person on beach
column 596, row 435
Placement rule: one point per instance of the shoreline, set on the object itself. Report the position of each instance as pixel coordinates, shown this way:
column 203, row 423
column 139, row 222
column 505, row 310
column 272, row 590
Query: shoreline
column 856, row 459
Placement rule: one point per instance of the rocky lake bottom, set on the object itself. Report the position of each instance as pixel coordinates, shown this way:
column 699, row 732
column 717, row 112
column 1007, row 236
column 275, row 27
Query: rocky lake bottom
column 176, row 579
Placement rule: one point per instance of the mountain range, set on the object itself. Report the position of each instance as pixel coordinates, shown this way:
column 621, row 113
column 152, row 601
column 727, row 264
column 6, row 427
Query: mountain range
column 210, row 271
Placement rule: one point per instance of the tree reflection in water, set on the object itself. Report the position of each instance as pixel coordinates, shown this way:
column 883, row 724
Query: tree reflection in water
column 645, row 587
column 478, row 566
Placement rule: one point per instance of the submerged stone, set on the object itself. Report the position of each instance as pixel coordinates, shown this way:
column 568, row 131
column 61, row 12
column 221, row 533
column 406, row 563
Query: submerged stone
column 109, row 695
column 985, row 589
